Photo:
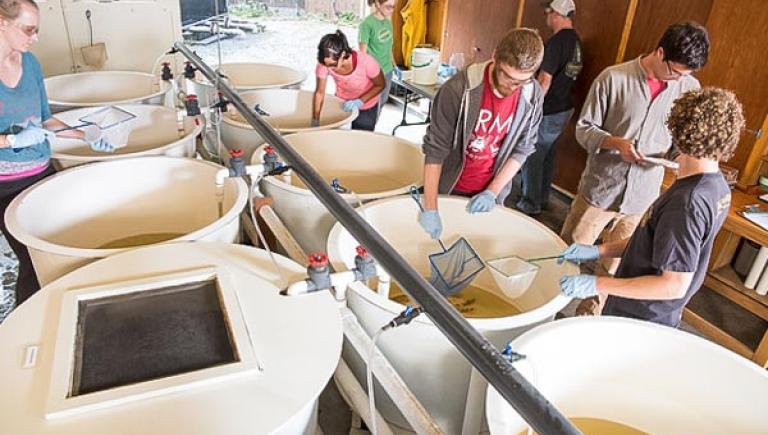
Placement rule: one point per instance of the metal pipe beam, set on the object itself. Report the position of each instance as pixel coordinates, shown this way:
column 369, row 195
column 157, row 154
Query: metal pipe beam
column 521, row 394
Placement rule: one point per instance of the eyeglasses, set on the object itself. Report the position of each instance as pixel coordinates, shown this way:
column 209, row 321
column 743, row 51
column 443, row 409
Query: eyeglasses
column 675, row 73
column 28, row 30
column 509, row 80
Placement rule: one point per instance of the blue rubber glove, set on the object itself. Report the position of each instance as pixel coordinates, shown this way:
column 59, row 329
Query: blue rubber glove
column 32, row 134
column 430, row 222
column 579, row 286
column 351, row 105
column 314, row 123
column 95, row 138
column 397, row 73
column 483, row 202
column 578, row 253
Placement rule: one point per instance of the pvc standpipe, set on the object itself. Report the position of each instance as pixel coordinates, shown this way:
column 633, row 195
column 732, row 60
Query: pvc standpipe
column 247, row 77
column 650, row 377
column 90, row 206
column 373, row 165
column 430, row 365
column 102, row 88
column 290, row 111
column 156, row 130
column 296, row 340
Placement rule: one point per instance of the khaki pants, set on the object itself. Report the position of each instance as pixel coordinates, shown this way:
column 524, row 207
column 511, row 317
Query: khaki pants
column 585, row 224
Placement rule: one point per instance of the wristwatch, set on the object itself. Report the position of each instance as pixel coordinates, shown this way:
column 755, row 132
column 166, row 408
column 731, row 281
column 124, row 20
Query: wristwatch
column 10, row 139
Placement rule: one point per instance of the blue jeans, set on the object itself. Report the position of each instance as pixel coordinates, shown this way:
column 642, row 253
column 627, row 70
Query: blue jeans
column 385, row 92
column 536, row 173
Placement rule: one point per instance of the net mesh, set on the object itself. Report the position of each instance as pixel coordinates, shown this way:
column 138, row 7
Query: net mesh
column 513, row 274
column 454, row 268
column 112, row 123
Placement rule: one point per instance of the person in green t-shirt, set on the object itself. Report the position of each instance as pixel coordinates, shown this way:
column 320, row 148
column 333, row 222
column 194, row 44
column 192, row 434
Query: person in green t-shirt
column 376, row 39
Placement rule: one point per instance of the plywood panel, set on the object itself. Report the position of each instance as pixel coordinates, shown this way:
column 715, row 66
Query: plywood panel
column 600, row 24
column 737, row 62
column 436, row 16
column 652, row 17
column 475, row 30
column 397, row 28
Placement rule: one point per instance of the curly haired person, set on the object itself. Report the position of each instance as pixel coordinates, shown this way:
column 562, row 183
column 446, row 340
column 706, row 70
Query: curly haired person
column 665, row 261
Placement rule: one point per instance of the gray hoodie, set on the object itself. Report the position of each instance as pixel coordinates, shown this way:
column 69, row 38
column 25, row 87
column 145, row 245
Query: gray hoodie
column 453, row 118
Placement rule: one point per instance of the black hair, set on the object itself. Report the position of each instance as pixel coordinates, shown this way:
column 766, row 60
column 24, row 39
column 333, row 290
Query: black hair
column 333, row 45
column 687, row 44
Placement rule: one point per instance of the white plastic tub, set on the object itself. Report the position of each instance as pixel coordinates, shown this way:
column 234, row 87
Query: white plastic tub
column 247, row 77
column 290, row 111
column 433, row 369
column 101, row 88
column 372, row 165
column 296, row 340
column 155, row 131
column 67, row 219
column 653, row 378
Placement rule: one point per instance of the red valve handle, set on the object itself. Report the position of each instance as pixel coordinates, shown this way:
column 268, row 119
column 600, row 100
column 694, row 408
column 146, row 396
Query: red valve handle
column 318, row 259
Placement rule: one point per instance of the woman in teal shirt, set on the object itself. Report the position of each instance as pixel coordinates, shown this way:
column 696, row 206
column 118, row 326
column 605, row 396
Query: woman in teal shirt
column 26, row 123
column 375, row 37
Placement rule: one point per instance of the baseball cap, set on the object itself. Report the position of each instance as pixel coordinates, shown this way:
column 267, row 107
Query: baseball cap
column 562, row 7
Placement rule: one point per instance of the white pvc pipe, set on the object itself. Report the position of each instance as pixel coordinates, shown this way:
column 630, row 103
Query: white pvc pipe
column 434, row 370
column 650, row 377
column 373, row 165
column 90, row 206
column 101, row 88
column 290, row 111
column 156, row 130
column 247, row 77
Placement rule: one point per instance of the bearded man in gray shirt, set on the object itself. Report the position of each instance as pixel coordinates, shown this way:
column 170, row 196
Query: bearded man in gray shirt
column 622, row 124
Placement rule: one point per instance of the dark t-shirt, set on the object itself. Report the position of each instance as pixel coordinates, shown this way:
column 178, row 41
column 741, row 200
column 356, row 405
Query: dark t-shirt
column 676, row 235
column 562, row 59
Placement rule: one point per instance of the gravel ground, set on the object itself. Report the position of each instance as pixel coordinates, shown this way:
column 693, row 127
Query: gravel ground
column 285, row 42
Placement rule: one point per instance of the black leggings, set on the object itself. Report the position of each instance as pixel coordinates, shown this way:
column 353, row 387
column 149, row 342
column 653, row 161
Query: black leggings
column 26, row 284
column 366, row 119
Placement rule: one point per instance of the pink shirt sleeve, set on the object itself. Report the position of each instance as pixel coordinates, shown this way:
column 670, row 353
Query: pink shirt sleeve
column 321, row 71
column 372, row 67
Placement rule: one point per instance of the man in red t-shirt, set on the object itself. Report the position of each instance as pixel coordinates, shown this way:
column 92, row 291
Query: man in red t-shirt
column 484, row 124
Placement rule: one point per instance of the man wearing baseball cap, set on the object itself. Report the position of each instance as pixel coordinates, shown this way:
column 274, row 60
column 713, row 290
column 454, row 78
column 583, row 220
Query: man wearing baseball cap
column 559, row 70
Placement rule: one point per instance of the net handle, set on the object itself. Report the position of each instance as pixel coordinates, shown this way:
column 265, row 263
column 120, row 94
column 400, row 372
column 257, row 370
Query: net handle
column 417, row 197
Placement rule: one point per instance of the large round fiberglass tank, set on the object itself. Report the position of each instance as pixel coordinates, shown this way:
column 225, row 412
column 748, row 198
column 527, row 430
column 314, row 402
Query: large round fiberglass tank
column 247, row 77
column 97, row 210
column 101, row 88
column 612, row 375
column 371, row 165
column 287, row 110
column 428, row 363
column 204, row 345
column 155, row 131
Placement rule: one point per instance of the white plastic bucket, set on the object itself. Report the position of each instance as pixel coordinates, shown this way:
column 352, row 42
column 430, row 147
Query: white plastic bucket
column 652, row 378
column 371, row 165
column 247, row 77
column 430, row 365
column 425, row 63
column 289, row 111
column 102, row 88
column 66, row 220
column 297, row 341
column 155, row 131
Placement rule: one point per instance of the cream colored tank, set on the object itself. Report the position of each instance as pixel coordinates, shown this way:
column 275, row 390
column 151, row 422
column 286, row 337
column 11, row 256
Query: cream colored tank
column 101, row 88
column 247, row 77
column 371, row 165
column 93, row 211
column 651, row 378
column 434, row 370
column 289, row 111
column 296, row 343
column 155, row 131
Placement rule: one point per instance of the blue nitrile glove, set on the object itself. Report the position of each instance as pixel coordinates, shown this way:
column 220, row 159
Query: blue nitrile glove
column 430, row 222
column 578, row 253
column 314, row 123
column 483, row 202
column 579, row 286
column 32, row 134
column 351, row 105
column 95, row 138
column 397, row 73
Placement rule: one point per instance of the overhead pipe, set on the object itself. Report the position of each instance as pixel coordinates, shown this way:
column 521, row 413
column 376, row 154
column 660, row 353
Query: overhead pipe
column 543, row 417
